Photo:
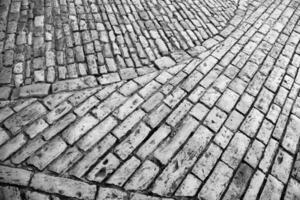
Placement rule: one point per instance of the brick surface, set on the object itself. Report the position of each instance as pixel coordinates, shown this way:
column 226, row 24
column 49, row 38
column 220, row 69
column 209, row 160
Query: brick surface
column 236, row 150
column 63, row 186
column 149, row 100
column 15, row 176
column 79, row 128
column 124, row 172
column 25, row 116
column 254, row 186
column 216, row 184
column 48, row 153
column 98, row 150
column 184, row 159
column 273, row 189
column 207, row 161
column 143, row 177
column 239, row 182
column 189, row 186
column 166, row 150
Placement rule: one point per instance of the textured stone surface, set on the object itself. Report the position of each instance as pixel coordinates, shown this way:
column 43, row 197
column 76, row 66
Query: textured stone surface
column 149, row 100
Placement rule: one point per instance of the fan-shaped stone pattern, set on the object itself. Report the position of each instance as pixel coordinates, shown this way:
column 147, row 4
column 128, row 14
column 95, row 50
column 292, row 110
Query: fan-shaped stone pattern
column 43, row 41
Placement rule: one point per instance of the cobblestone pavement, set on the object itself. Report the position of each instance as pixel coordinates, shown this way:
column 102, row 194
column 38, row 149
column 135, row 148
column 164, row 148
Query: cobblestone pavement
column 44, row 41
column 149, row 100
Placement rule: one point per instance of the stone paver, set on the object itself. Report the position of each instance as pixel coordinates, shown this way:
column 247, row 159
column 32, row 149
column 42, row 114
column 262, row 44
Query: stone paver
column 149, row 100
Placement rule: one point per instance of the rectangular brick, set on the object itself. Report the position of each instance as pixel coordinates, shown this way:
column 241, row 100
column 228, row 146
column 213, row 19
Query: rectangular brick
column 227, row 44
column 191, row 81
column 238, row 85
column 58, row 126
column 223, row 137
column 237, row 187
column 296, row 167
column 12, row 146
column 107, row 193
column 254, row 154
column 5, row 113
column 275, row 78
column 178, row 78
column 234, row 120
column 248, row 71
column 97, row 133
column 122, row 174
column 282, row 166
column 47, row 153
column 236, row 150
column 207, row 161
column 199, row 111
column 3, row 136
column 163, row 77
column 104, row 168
column 16, row 176
column 127, row 107
column 166, row 150
column 66, row 160
column 252, row 122
column 24, row 117
column 221, row 83
column 149, row 89
column 265, row 131
column 81, row 96
column 129, row 88
column 27, row 150
column 264, row 99
column 184, row 160
column 210, row 97
column 79, row 128
column 92, row 156
column 211, row 77
column 143, row 177
column 273, row 113
column 245, row 103
column 128, row 145
column 157, row 115
column 272, row 189
column 227, row 101
column 292, row 135
column 63, row 186
column 74, row 84
column 215, row 119
column 58, row 112
column 110, row 104
column 189, row 186
column 269, row 155
column 10, row 192
column 86, row 106
column 292, row 190
column 196, row 94
column 254, row 186
column 35, row 128
column 128, row 123
column 216, row 183
column 173, row 99
column 207, row 64
column 179, row 113
column 153, row 101
column 35, row 90
column 155, row 139
column 51, row 101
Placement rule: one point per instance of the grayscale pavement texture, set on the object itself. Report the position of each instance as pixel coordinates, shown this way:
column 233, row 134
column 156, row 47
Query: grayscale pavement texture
column 149, row 99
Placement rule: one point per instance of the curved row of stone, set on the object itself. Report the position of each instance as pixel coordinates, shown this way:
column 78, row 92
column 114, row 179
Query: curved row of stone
column 46, row 41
